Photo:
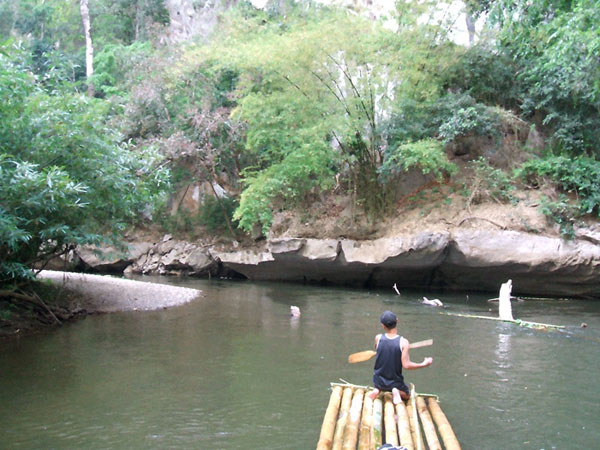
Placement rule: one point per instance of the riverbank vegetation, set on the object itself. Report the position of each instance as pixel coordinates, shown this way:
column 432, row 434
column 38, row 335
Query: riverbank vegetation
column 278, row 106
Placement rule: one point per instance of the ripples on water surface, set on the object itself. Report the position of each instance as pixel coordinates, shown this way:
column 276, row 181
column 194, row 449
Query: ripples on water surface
column 233, row 371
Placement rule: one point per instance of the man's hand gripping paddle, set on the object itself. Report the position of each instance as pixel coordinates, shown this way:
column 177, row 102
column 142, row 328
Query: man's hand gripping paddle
column 368, row 354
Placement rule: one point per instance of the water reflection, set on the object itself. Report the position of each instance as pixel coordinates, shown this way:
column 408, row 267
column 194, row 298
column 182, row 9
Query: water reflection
column 504, row 362
column 235, row 370
column 294, row 322
column 503, row 356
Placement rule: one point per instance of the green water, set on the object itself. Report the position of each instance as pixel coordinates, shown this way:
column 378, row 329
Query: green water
column 233, row 371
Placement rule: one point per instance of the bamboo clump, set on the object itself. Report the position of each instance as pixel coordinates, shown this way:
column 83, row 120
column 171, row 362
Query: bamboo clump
column 353, row 420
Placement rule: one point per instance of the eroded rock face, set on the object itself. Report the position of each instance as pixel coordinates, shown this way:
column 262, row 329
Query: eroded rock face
column 537, row 265
column 189, row 19
column 168, row 257
column 474, row 260
column 110, row 259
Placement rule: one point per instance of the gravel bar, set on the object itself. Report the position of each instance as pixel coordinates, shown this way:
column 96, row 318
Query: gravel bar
column 102, row 293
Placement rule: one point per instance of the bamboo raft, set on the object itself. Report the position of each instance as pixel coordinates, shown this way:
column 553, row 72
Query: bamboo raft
column 354, row 421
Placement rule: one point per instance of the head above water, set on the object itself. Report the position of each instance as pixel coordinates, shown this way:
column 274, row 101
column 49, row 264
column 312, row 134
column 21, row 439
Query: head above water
column 388, row 319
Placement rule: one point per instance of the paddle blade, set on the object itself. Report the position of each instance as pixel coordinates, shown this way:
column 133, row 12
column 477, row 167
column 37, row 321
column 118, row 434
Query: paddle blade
column 361, row 356
column 425, row 343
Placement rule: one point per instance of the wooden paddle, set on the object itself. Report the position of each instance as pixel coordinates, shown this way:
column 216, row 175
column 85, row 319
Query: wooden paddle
column 368, row 354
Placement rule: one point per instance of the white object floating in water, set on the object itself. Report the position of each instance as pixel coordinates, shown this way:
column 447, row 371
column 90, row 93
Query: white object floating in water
column 434, row 302
column 505, row 308
column 294, row 311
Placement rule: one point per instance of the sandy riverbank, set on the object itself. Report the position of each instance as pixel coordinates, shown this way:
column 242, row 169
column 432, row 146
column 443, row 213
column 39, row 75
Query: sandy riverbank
column 101, row 293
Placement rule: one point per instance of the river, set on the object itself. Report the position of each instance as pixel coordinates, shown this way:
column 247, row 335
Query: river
column 232, row 370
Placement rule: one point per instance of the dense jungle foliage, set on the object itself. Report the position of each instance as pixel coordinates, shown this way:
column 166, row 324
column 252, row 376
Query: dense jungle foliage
column 277, row 105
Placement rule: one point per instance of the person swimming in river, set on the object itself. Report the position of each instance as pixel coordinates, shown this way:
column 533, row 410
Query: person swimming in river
column 392, row 356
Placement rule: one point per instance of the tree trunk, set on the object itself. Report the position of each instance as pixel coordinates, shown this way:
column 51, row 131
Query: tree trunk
column 138, row 18
column 89, row 48
column 470, row 28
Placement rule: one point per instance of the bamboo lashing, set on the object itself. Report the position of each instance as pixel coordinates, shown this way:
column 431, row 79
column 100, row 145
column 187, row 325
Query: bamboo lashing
column 366, row 422
column 330, row 419
column 404, row 427
column 428, row 427
column 444, row 427
column 391, row 432
column 338, row 435
column 345, row 383
column 376, row 439
column 351, row 431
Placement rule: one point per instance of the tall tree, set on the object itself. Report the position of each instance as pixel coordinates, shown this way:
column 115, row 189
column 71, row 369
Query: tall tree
column 89, row 47
column 64, row 177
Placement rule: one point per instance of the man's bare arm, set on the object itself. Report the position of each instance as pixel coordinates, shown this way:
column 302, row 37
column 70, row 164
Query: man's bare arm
column 406, row 362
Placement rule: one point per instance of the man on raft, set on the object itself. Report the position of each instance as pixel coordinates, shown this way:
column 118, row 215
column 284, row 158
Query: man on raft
column 392, row 356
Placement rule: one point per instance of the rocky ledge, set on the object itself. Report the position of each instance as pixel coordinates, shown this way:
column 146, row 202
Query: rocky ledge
column 474, row 260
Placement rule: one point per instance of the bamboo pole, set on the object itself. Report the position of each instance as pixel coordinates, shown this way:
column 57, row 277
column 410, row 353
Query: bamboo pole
column 522, row 323
column 428, row 427
column 366, row 423
column 330, row 419
column 351, row 431
column 404, row 427
column 414, row 420
column 338, row 435
column 376, row 428
column 391, row 432
column 444, row 427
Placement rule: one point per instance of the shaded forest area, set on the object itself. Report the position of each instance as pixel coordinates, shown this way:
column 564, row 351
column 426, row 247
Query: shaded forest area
column 103, row 118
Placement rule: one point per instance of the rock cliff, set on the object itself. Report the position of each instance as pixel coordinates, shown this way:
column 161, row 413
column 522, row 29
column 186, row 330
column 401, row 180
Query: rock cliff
column 470, row 260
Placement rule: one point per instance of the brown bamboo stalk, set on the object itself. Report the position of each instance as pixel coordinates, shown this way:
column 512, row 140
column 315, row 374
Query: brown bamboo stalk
column 376, row 440
column 351, row 431
column 428, row 427
column 366, row 423
column 391, row 432
column 444, row 427
column 338, row 435
column 404, row 427
column 330, row 419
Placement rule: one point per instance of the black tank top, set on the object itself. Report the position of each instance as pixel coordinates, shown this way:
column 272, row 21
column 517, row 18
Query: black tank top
column 388, row 364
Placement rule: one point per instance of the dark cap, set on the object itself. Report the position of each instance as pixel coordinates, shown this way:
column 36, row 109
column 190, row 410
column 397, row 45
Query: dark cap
column 389, row 319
